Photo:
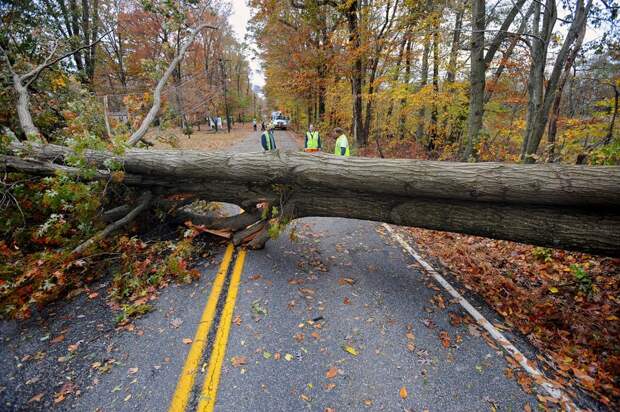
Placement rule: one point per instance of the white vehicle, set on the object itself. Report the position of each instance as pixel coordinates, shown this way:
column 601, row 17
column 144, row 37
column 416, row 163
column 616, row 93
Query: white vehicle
column 279, row 120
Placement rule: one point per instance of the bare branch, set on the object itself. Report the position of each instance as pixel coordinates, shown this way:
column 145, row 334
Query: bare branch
column 146, row 123
column 32, row 75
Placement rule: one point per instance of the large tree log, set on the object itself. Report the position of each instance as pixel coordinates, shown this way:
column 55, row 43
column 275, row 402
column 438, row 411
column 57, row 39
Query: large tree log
column 564, row 206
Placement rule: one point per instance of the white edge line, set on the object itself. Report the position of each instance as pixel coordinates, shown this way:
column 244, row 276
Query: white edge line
column 553, row 391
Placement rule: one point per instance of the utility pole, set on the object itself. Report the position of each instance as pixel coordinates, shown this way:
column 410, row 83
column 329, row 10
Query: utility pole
column 226, row 108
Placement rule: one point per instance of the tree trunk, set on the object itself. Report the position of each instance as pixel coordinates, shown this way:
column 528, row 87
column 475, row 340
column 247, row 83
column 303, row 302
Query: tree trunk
column 456, row 45
column 537, row 68
column 423, row 82
column 612, row 122
column 433, row 132
column 555, row 109
column 357, row 73
column 570, row 207
column 540, row 119
column 476, row 77
column 23, row 108
column 402, row 119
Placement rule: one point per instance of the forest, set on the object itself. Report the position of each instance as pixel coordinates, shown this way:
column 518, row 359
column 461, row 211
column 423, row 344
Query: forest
column 494, row 119
column 456, row 80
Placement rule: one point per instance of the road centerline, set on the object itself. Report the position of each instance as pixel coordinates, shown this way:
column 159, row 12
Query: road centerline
column 185, row 384
column 209, row 389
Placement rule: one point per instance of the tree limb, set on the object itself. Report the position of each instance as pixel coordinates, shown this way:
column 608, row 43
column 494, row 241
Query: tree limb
column 143, row 204
column 150, row 117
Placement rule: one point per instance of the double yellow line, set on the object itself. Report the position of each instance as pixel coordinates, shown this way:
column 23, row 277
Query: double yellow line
column 185, row 384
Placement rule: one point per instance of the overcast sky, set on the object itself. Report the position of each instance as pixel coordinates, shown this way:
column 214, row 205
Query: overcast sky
column 238, row 21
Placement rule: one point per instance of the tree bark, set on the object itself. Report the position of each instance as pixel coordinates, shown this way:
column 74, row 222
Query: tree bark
column 456, row 44
column 555, row 109
column 476, row 77
column 564, row 206
column 538, row 50
column 433, row 132
column 419, row 134
column 539, row 121
column 356, row 73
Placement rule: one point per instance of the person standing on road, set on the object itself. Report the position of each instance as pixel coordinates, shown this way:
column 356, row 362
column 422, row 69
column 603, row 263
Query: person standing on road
column 342, row 143
column 262, row 125
column 313, row 140
column 267, row 140
column 254, row 124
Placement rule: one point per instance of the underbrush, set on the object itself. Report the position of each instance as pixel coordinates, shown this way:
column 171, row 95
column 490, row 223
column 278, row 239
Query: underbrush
column 567, row 304
column 43, row 219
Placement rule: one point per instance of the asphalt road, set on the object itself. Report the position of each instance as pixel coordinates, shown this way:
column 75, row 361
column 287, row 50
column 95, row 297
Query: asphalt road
column 332, row 314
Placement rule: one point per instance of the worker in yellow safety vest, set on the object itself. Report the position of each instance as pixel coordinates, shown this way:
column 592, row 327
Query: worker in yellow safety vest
column 342, row 143
column 267, row 140
column 313, row 140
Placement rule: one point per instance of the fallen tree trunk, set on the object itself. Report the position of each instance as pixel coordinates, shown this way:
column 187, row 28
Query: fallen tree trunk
column 563, row 206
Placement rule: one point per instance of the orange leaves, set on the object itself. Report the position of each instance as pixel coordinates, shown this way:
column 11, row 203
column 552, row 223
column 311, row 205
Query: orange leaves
column 537, row 290
column 445, row 339
column 331, row 372
column 403, row 393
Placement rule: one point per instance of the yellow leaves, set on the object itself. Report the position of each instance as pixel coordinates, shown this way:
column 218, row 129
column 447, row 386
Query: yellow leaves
column 403, row 393
column 350, row 350
column 553, row 289
column 58, row 82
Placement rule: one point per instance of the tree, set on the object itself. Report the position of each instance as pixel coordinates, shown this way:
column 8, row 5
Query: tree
column 539, row 117
column 485, row 199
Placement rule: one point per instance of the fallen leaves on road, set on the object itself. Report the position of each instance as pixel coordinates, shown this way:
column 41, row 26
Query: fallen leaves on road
column 445, row 339
column 307, row 293
column 255, row 277
column 350, row 349
column 566, row 303
column 65, row 390
column 36, row 398
column 346, row 281
column 238, row 361
column 176, row 322
column 258, row 310
column 187, row 341
column 331, row 372
column 403, row 393
column 429, row 323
